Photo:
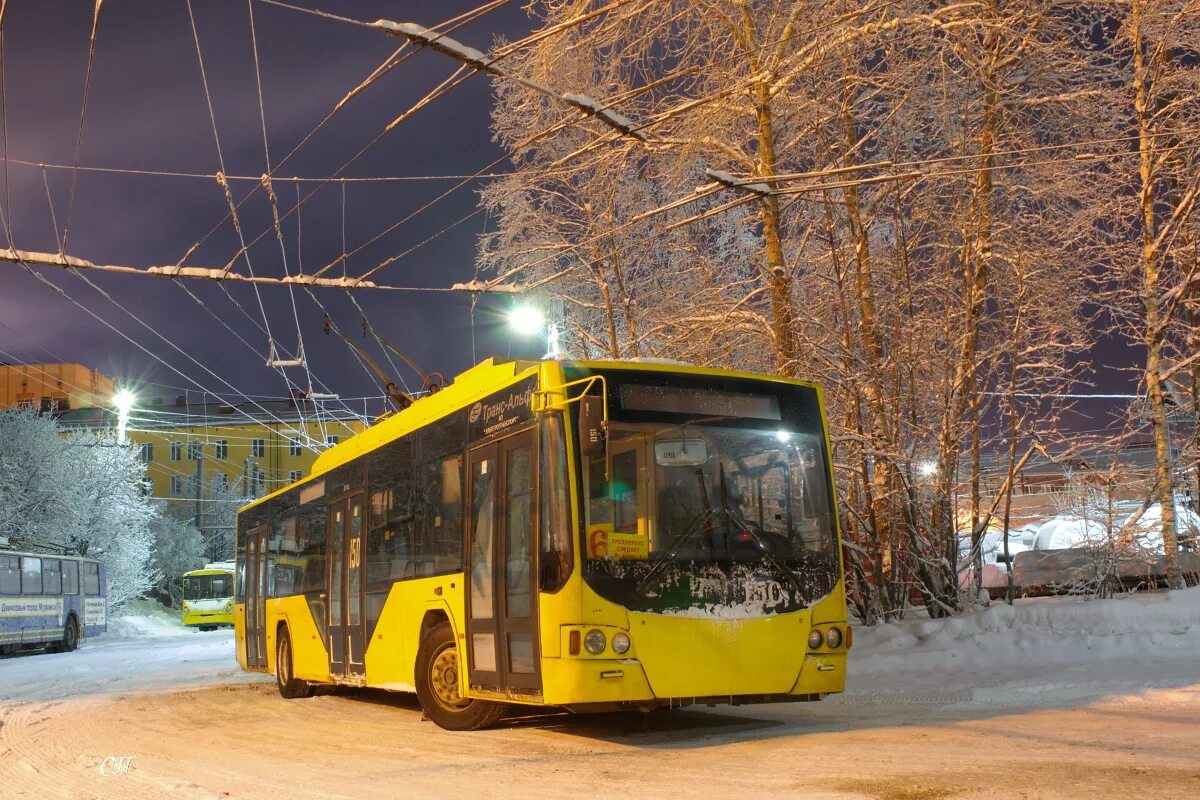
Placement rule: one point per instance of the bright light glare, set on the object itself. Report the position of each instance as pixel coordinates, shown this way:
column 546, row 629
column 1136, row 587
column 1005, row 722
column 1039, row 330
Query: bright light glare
column 124, row 400
column 783, row 436
column 927, row 469
column 526, row 320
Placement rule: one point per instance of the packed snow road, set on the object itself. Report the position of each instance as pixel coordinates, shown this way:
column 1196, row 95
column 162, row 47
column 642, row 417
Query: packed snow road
column 1051, row 699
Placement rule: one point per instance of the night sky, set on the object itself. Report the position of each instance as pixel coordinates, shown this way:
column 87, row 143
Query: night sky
column 146, row 110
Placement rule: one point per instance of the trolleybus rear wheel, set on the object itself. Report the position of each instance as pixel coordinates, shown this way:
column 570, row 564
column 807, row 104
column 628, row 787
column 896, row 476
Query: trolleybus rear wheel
column 289, row 685
column 70, row 638
column 437, row 686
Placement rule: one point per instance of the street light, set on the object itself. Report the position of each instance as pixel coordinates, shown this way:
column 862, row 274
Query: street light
column 927, row 469
column 123, row 401
column 525, row 320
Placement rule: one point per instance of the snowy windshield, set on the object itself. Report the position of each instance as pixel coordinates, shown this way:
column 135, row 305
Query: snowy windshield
column 710, row 496
column 207, row 587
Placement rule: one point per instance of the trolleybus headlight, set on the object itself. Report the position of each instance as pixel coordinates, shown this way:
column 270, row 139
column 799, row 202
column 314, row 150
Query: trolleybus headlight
column 833, row 638
column 594, row 642
column 621, row 643
column 815, row 638
column 228, row 606
column 186, row 606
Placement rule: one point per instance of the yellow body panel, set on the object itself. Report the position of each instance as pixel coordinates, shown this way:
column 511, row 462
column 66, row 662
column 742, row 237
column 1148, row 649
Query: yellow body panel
column 672, row 658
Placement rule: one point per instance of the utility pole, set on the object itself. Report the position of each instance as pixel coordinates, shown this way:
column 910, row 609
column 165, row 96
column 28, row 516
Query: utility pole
column 199, row 479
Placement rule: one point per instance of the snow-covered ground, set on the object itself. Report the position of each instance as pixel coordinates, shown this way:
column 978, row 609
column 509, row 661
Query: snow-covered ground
column 147, row 648
column 1050, row 698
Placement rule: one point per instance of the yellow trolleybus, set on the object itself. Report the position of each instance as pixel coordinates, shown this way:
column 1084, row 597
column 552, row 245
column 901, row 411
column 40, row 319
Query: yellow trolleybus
column 586, row 535
column 208, row 596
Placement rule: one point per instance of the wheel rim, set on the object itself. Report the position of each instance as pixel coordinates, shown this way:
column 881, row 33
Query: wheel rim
column 443, row 679
column 71, row 635
column 284, row 667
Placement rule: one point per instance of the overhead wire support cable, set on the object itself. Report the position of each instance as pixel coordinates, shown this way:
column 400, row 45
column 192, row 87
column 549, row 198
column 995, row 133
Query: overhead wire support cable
column 87, row 86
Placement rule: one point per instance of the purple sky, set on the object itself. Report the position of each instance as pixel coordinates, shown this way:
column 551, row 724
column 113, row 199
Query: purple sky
column 146, row 110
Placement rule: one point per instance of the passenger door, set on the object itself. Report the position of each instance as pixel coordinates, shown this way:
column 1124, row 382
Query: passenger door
column 256, row 590
column 345, row 606
column 502, row 647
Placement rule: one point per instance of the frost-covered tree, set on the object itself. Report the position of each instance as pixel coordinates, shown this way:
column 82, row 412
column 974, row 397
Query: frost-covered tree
column 178, row 548
column 78, row 489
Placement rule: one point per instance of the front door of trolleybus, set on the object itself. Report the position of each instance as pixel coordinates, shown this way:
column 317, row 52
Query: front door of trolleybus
column 502, row 646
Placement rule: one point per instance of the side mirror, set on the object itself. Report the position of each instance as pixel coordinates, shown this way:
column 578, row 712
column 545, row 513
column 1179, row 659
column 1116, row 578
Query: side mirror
column 592, row 431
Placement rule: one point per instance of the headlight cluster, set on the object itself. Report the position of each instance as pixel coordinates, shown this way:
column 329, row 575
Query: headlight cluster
column 228, row 606
column 831, row 638
column 186, row 606
column 595, row 642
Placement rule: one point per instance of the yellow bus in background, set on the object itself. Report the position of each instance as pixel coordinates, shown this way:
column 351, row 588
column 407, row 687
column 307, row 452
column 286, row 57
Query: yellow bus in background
column 208, row 596
column 590, row 535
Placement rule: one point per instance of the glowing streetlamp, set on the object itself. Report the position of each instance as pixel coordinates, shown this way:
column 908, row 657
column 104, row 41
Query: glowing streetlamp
column 927, row 469
column 123, row 401
column 526, row 320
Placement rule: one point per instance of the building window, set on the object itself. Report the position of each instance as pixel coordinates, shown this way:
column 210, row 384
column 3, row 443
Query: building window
column 293, row 447
column 195, row 451
column 222, row 448
column 294, row 476
column 147, row 452
column 331, row 440
column 258, row 448
column 176, row 451
column 176, row 485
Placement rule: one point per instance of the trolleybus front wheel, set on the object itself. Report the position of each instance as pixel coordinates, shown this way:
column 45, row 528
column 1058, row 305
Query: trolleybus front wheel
column 437, row 686
column 289, row 685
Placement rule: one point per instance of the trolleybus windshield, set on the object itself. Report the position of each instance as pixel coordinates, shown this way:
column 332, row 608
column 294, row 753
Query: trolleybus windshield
column 711, row 497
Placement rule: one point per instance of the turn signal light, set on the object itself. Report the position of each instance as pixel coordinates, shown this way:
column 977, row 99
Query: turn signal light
column 574, row 643
column 849, row 637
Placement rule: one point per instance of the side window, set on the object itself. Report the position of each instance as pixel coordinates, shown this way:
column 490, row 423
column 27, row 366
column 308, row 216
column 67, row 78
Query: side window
column 239, row 557
column 555, row 517
column 10, row 575
column 311, row 541
column 52, row 576
column 287, row 561
column 91, row 578
column 31, row 575
column 70, row 575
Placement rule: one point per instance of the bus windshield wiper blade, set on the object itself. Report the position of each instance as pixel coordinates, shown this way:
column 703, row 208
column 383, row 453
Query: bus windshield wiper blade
column 669, row 555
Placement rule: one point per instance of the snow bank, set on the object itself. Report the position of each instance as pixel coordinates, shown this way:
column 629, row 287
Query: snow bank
column 1031, row 633
column 142, row 618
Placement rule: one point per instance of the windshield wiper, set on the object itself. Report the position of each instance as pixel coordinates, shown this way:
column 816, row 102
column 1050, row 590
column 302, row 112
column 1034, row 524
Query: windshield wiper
column 669, row 554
